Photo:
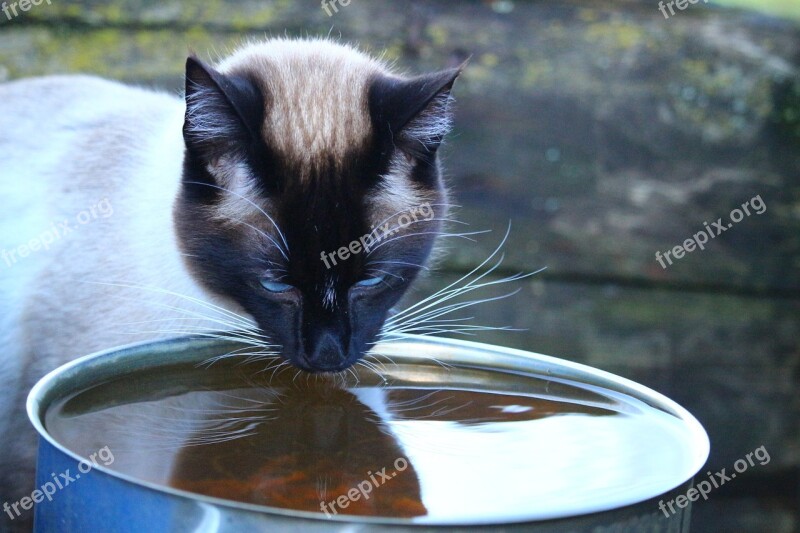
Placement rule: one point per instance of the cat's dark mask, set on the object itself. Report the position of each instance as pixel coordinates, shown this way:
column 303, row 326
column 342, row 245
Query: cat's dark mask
column 311, row 191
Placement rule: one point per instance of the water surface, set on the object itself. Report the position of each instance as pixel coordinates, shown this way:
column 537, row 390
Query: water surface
column 486, row 445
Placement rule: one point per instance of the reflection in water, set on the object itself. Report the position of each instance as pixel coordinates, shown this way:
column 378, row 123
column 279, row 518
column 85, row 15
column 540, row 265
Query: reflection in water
column 322, row 443
column 513, row 445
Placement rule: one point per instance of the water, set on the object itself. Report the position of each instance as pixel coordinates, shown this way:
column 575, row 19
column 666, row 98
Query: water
column 486, row 445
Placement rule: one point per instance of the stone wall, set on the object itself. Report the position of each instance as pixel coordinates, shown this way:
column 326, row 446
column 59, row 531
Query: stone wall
column 604, row 133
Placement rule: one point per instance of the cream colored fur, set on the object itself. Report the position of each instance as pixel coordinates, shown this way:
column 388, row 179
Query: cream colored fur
column 318, row 95
column 66, row 144
column 69, row 143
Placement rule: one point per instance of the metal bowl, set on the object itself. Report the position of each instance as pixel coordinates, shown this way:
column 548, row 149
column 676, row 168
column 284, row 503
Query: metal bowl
column 103, row 499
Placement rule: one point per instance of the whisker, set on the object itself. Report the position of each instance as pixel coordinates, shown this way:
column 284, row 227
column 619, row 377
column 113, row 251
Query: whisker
column 404, row 263
column 234, row 316
column 274, row 224
column 385, row 272
column 428, row 316
column 439, row 234
column 436, row 312
column 406, row 209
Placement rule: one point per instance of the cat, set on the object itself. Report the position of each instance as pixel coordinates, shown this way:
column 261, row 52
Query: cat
column 131, row 214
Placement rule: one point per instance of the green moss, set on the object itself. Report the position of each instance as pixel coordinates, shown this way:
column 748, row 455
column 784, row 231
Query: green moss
column 782, row 8
column 246, row 17
column 438, row 34
column 535, row 72
column 786, row 114
column 740, row 101
column 95, row 54
column 109, row 52
column 657, row 307
column 615, row 35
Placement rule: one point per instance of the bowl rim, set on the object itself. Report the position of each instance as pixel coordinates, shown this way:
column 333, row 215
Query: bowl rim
column 469, row 354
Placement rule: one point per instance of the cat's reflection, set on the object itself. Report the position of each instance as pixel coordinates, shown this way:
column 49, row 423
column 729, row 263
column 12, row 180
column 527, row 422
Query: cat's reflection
column 320, row 449
column 310, row 443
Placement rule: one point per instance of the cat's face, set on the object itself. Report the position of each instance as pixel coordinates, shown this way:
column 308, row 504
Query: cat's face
column 311, row 192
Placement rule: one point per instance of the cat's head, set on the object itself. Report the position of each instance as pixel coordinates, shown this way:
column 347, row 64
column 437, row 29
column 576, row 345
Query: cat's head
column 311, row 190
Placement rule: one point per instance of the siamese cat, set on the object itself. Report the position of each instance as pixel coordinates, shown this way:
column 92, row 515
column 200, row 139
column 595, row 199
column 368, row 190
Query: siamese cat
column 242, row 207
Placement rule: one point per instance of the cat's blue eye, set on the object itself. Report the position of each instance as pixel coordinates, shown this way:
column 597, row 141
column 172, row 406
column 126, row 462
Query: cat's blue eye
column 275, row 286
column 369, row 282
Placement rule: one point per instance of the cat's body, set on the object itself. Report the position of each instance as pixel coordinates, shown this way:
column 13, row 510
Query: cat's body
column 62, row 157
column 292, row 149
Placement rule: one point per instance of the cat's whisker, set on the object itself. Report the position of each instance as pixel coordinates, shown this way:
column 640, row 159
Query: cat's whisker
column 285, row 250
column 372, row 367
column 411, row 406
column 254, row 357
column 405, row 209
column 435, row 296
column 444, row 295
column 209, row 335
column 372, row 270
column 376, row 356
column 282, row 365
column 260, row 232
column 250, row 338
column 427, row 317
column 245, row 322
column 354, row 374
column 250, row 334
column 456, row 289
column 176, row 426
column 242, row 353
column 440, row 234
column 403, row 263
column 393, row 229
column 437, row 312
column 180, row 318
column 451, row 328
column 235, row 327
column 434, row 306
column 407, row 405
column 369, row 360
column 441, row 311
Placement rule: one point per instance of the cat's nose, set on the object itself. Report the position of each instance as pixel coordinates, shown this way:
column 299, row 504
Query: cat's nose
column 328, row 355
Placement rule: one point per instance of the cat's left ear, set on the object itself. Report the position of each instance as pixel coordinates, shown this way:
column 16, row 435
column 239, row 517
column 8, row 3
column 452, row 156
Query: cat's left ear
column 222, row 111
column 415, row 113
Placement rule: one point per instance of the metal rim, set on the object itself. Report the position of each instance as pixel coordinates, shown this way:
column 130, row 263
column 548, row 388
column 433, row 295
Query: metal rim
column 461, row 353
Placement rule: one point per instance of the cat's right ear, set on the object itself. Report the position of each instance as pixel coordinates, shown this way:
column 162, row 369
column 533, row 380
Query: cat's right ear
column 413, row 113
column 223, row 112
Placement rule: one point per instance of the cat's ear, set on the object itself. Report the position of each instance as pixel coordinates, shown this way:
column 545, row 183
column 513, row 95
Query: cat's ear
column 222, row 111
column 414, row 113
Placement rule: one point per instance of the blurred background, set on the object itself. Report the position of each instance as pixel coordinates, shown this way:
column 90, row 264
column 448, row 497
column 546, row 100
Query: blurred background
column 604, row 132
